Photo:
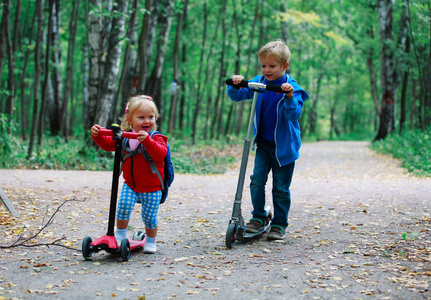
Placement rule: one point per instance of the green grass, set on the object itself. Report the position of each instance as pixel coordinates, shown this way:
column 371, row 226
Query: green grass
column 412, row 148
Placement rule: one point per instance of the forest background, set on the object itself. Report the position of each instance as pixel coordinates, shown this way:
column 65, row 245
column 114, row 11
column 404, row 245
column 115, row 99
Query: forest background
column 66, row 65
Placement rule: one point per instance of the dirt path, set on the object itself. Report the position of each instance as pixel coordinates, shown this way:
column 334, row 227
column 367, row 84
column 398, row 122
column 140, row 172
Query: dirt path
column 359, row 229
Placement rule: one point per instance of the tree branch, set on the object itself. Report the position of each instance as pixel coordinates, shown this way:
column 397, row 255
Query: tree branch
column 23, row 242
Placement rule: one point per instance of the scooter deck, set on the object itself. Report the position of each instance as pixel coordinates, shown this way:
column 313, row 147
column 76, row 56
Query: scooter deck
column 250, row 235
column 136, row 244
column 109, row 244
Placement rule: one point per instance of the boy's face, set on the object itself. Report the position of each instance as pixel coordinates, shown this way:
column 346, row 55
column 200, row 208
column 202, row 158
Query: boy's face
column 271, row 68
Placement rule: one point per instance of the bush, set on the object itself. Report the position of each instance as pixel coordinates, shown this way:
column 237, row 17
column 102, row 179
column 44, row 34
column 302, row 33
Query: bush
column 10, row 147
column 413, row 148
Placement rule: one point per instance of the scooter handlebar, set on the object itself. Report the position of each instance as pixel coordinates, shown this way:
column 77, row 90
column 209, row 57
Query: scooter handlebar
column 129, row 135
column 244, row 83
column 124, row 134
column 274, row 88
column 104, row 131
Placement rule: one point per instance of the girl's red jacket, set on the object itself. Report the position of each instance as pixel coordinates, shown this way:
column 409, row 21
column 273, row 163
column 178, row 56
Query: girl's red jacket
column 136, row 170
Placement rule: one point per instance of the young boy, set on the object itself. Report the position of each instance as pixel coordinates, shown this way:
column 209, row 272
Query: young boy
column 277, row 136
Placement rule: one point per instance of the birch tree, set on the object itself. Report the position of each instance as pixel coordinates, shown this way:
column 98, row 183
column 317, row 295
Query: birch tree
column 96, row 50
column 109, row 78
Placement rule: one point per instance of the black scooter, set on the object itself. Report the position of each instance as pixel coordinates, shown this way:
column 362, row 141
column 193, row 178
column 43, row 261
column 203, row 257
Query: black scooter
column 236, row 229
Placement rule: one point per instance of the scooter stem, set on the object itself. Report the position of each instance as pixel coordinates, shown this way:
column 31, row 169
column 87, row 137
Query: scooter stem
column 114, row 189
column 236, row 213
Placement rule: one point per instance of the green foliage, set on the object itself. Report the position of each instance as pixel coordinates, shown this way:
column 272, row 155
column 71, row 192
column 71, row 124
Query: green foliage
column 211, row 157
column 413, row 148
column 9, row 145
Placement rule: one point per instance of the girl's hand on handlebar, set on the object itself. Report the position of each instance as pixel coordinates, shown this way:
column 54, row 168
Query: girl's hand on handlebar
column 95, row 130
column 142, row 135
column 237, row 79
column 288, row 90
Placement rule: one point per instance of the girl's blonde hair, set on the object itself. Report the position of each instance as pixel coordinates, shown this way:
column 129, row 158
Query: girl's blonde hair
column 277, row 49
column 135, row 103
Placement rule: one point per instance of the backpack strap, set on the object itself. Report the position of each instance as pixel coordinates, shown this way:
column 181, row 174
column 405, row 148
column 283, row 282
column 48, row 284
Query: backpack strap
column 147, row 156
column 153, row 166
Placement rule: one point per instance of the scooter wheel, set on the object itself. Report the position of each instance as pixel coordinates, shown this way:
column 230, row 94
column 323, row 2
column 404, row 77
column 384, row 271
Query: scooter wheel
column 125, row 249
column 231, row 235
column 139, row 236
column 86, row 248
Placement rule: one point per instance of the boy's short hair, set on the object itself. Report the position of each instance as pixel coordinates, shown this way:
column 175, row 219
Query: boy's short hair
column 277, row 49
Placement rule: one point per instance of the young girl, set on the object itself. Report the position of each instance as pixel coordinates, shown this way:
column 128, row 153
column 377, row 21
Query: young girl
column 139, row 181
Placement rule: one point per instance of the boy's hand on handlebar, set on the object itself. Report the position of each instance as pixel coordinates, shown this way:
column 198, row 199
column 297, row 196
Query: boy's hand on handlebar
column 142, row 135
column 237, row 79
column 288, row 90
column 95, row 130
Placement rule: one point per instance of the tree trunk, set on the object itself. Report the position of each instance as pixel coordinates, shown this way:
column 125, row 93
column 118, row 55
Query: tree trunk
column 11, row 78
column 131, row 32
column 174, row 96
column 251, row 53
column 85, row 69
column 130, row 83
column 96, row 52
column 312, row 115
column 55, row 111
column 423, row 61
column 45, row 85
column 198, row 92
column 238, row 31
column 144, row 47
column 68, row 90
column 3, row 40
column 17, row 5
column 38, row 12
column 218, row 126
column 25, row 96
column 211, row 111
column 109, row 79
column 184, row 63
column 405, row 24
column 387, row 117
column 413, row 106
column 154, row 84
column 373, row 81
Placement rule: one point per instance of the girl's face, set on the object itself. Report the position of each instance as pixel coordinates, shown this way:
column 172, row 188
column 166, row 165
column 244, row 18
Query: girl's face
column 143, row 118
column 271, row 68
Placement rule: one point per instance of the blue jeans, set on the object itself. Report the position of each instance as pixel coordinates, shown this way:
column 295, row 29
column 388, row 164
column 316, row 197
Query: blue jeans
column 264, row 162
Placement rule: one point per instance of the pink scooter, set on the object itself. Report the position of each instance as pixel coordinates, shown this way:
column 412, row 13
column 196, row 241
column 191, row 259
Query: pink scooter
column 108, row 241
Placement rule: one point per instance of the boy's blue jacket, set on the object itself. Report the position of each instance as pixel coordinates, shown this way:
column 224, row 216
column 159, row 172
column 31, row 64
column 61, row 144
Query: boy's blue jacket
column 287, row 132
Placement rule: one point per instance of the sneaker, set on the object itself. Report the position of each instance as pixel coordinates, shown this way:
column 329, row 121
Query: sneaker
column 254, row 225
column 276, row 233
column 150, row 248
